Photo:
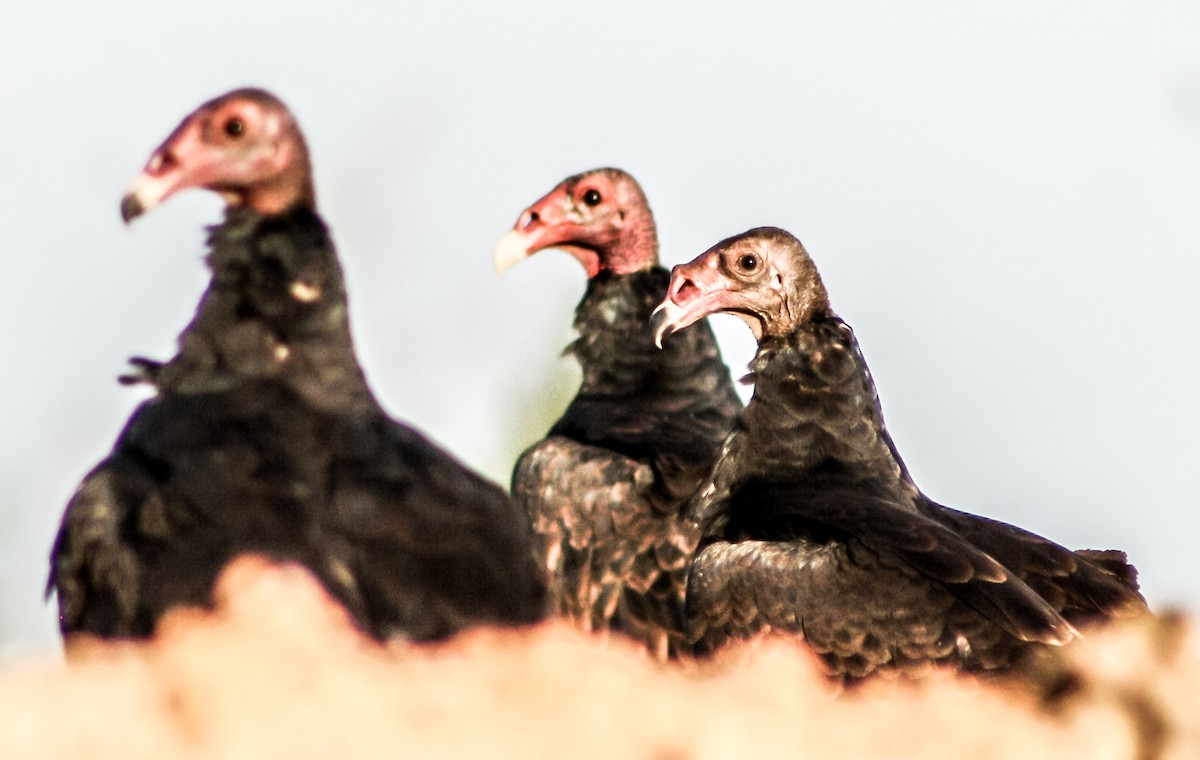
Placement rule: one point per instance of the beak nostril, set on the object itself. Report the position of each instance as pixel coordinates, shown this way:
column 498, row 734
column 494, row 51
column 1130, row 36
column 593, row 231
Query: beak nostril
column 528, row 219
column 686, row 291
column 161, row 162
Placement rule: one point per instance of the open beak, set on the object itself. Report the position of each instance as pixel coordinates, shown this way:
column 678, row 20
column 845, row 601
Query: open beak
column 696, row 290
column 668, row 317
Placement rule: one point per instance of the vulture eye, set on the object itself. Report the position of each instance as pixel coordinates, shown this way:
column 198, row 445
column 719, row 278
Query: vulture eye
column 747, row 262
column 592, row 198
column 235, row 127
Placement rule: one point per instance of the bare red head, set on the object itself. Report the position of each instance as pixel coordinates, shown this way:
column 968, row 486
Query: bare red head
column 600, row 217
column 244, row 145
column 763, row 276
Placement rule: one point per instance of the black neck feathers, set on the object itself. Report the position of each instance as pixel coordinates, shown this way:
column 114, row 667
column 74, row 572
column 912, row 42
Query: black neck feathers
column 275, row 310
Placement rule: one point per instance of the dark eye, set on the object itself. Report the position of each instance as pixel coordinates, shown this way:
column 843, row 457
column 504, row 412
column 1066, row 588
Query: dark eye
column 747, row 262
column 591, row 198
column 235, row 127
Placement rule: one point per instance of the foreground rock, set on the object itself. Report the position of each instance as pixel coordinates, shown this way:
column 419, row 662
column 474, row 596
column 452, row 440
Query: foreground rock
column 278, row 671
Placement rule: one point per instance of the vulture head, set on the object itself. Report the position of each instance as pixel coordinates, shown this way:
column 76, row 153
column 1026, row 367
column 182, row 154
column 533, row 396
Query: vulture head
column 244, row 145
column 600, row 217
column 763, row 275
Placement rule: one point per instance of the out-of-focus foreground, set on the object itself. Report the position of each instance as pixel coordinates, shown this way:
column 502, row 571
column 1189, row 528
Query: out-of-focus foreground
column 276, row 671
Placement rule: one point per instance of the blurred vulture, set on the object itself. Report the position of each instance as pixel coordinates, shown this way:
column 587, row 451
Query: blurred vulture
column 264, row 437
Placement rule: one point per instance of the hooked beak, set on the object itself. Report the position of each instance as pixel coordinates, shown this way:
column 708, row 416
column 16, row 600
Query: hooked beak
column 668, row 318
column 180, row 162
column 545, row 224
column 696, row 290
column 165, row 174
column 685, row 303
column 527, row 237
column 514, row 246
column 149, row 189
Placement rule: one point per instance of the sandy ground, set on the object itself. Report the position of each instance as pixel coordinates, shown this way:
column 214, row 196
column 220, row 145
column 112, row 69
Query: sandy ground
column 276, row 671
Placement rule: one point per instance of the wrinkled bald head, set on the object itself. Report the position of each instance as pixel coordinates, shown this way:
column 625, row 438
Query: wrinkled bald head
column 600, row 217
column 244, row 145
column 763, row 276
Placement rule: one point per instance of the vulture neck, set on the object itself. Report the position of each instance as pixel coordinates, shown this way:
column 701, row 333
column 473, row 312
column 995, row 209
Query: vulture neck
column 616, row 347
column 634, row 250
column 815, row 412
column 275, row 311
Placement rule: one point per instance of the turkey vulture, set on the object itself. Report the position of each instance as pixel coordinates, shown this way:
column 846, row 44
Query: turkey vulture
column 604, row 490
column 811, row 523
column 264, row 437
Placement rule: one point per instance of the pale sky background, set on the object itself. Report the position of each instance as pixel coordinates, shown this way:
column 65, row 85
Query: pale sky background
column 1003, row 200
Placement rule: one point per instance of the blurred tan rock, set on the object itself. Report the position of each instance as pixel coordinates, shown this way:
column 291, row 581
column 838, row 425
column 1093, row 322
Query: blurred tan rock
column 277, row 671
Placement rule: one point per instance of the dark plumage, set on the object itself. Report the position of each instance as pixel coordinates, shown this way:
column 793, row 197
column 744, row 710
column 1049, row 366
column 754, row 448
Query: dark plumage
column 812, row 524
column 264, row 436
column 604, row 490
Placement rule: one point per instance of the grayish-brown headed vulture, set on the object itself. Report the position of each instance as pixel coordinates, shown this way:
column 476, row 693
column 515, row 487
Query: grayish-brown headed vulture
column 811, row 523
column 264, row 437
column 604, row 490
